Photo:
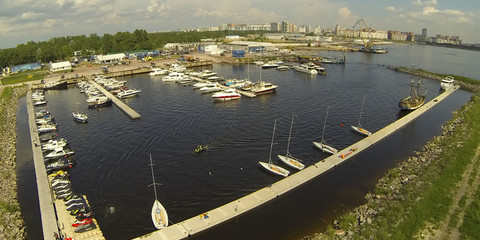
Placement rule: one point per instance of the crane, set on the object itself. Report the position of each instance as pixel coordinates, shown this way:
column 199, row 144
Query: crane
column 365, row 32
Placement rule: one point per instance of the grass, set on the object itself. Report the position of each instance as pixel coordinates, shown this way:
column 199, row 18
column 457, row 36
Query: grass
column 25, row 76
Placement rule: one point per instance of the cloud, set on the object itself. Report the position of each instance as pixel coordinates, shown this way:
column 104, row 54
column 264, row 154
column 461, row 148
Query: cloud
column 391, row 9
column 344, row 12
column 30, row 15
column 4, row 27
column 428, row 10
column 48, row 23
column 425, row 3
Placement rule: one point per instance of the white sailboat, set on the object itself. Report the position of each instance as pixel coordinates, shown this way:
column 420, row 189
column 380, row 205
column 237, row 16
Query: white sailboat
column 270, row 166
column 80, row 117
column 159, row 214
column 288, row 158
column 359, row 128
column 322, row 145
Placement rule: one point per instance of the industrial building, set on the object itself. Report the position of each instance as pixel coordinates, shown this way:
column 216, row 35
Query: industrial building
column 60, row 66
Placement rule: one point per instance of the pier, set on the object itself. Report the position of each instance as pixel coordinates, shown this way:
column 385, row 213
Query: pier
column 124, row 107
column 237, row 207
column 54, row 216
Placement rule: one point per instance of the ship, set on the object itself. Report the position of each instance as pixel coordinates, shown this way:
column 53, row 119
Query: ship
column 414, row 100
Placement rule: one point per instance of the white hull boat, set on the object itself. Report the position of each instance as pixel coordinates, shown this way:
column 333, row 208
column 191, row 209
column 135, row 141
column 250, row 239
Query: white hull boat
column 305, row 69
column 159, row 214
column 288, row 159
column 263, row 88
column 59, row 152
column 447, row 82
column 322, row 145
column 359, row 128
column 158, row 71
column 226, row 95
column 128, row 93
column 173, row 77
column 210, row 89
column 54, row 144
column 269, row 166
column 80, row 117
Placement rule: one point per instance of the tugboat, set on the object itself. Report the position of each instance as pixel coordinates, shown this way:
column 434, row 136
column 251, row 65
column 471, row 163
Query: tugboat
column 414, row 100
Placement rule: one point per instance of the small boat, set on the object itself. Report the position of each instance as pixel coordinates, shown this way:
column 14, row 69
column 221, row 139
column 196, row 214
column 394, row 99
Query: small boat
column 59, row 152
column 414, row 100
column 322, row 145
column 263, row 88
column 203, row 84
column 288, row 159
column 44, row 120
column 447, row 82
column 226, row 95
column 173, row 77
column 283, row 68
column 159, row 214
column 275, row 169
column 304, row 68
column 207, row 74
column 269, row 64
column 60, row 164
column 258, row 63
column 80, row 117
column 42, row 113
column 359, row 128
column 49, row 127
column 100, row 103
column 55, row 85
column 54, row 144
column 158, row 71
column 128, row 93
column 48, row 136
column 210, row 89
column 39, row 102
column 200, row 149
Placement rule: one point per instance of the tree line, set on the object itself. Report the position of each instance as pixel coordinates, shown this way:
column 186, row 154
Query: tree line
column 62, row 48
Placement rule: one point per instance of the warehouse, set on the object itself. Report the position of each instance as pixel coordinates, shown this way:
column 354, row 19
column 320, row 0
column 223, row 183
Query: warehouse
column 60, row 66
column 111, row 58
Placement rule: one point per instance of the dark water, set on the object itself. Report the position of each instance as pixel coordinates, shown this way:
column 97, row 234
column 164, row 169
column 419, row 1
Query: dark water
column 112, row 151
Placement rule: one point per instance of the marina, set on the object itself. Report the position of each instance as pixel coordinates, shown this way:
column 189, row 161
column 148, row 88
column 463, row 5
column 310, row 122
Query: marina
column 226, row 137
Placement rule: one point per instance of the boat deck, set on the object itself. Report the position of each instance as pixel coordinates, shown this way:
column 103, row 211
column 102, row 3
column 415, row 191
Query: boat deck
column 230, row 210
column 244, row 93
column 124, row 107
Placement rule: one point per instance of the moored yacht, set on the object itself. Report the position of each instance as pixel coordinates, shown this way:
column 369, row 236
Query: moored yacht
column 128, row 93
column 158, row 71
column 304, row 68
column 226, row 95
column 447, row 82
column 263, row 88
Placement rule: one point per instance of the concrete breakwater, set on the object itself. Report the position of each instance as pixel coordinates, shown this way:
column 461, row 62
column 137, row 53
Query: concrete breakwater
column 11, row 222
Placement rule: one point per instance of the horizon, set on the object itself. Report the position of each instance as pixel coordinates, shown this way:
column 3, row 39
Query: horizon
column 27, row 20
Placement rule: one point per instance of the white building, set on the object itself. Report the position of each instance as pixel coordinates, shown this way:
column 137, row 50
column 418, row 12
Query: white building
column 60, row 66
column 212, row 50
column 111, row 58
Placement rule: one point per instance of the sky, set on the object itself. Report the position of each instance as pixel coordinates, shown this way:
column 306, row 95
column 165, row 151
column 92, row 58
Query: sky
column 40, row 20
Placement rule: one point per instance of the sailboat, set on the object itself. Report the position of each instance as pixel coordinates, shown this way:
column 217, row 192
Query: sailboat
column 288, row 158
column 262, row 87
column 80, row 117
column 159, row 214
column 270, row 166
column 359, row 128
column 322, row 145
column 414, row 100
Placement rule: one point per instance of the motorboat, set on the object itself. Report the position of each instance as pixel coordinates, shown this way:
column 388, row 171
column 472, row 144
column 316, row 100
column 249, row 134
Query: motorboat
column 48, row 136
column 269, row 64
column 288, row 159
column 80, row 117
column 173, row 77
column 44, row 120
column 128, row 93
column 258, row 63
column 263, row 88
column 210, row 89
column 320, row 69
column 447, row 82
column 103, row 102
column 283, row 68
column 96, row 99
column 54, row 144
column 42, row 113
column 203, row 84
column 158, row 71
column 322, row 145
column 59, row 164
column 39, row 102
column 175, row 67
column 304, row 68
column 49, row 127
column 359, row 128
column 55, row 85
column 207, row 74
column 414, row 100
column 226, row 95
column 269, row 166
column 58, row 152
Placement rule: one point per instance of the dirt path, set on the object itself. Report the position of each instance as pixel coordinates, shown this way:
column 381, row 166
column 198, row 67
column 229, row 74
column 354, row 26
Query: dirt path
column 467, row 188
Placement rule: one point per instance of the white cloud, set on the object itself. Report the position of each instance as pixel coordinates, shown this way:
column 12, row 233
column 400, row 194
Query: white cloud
column 49, row 23
column 428, row 10
column 200, row 12
column 344, row 12
column 391, row 9
column 425, row 3
column 4, row 27
column 29, row 15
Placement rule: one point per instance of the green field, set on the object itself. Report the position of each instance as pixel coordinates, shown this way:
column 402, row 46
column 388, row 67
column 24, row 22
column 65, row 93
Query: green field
column 25, row 76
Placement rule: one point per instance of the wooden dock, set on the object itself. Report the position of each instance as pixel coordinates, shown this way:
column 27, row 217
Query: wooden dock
column 54, row 216
column 124, row 107
column 230, row 210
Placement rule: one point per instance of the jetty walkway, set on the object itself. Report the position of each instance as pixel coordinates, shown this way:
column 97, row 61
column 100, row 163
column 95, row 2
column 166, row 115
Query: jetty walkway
column 53, row 213
column 231, row 210
column 124, row 107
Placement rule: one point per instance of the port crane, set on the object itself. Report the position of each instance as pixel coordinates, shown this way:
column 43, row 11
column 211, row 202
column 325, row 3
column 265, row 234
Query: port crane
column 365, row 33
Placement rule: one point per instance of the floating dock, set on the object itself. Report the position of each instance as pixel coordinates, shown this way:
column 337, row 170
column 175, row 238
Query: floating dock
column 53, row 213
column 124, row 107
column 231, row 210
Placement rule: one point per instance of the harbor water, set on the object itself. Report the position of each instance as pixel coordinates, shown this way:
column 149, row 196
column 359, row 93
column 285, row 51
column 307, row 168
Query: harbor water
column 112, row 151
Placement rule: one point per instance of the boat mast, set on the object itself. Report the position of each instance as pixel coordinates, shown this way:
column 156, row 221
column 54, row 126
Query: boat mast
column 289, row 135
column 153, row 178
column 361, row 111
column 271, row 145
column 324, row 125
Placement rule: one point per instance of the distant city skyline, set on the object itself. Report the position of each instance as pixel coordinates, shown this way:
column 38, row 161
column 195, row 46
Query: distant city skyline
column 27, row 20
